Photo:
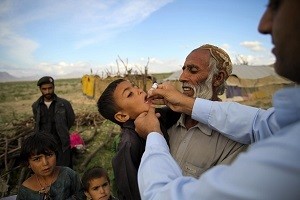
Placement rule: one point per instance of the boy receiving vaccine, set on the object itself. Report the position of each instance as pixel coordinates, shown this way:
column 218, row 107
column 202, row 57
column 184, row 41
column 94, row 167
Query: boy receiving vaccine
column 121, row 102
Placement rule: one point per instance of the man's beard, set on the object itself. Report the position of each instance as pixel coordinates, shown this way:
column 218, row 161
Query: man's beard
column 203, row 90
column 48, row 96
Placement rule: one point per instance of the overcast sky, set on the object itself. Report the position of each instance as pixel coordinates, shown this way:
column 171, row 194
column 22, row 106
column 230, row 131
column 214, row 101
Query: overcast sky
column 60, row 37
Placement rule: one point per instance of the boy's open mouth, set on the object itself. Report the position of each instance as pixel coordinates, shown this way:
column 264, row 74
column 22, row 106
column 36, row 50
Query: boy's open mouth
column 146, row 99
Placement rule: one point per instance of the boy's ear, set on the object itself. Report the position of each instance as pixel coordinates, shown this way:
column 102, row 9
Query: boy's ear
column 121, row 117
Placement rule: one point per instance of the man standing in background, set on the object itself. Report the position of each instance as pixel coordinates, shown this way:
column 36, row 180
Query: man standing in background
column 54, row 115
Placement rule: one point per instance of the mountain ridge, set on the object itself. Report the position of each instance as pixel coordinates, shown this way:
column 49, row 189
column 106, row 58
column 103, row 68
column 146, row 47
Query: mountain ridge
column 6, row 77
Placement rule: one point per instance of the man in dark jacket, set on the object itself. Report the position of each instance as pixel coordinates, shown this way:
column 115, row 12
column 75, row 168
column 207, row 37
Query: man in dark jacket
column 55, row 116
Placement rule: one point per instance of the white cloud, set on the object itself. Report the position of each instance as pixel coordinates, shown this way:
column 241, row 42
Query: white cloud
column 62, row 68
column 88, row 21
column 165, row 65
column 226, row 47
column 253, row 45
column 93, row 20
column 17, row 48
column 262, row 59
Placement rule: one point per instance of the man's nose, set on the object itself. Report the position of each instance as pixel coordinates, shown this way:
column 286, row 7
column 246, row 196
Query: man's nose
column 265, row 24
column 184, row 76
column 47, row 91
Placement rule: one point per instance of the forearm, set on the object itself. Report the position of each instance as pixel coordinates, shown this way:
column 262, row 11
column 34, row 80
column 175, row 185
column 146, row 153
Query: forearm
column 186, row 105
column 159, row 176
column 151, row 170
column 235, row 121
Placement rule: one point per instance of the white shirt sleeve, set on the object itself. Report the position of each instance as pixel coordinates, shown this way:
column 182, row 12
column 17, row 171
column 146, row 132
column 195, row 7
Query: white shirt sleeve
column 238, row 122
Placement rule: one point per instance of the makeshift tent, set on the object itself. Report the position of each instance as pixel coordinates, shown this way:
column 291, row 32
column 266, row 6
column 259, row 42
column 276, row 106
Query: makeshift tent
column 88, row 85
column 247, row 82
column 253, row 82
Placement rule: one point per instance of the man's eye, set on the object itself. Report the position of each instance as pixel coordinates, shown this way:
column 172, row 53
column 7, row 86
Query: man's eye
column 193, row 70
column 130, row 94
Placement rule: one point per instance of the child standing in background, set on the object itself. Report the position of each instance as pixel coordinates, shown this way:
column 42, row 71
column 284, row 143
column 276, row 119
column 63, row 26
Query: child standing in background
column 96, row 184
column 39, row 152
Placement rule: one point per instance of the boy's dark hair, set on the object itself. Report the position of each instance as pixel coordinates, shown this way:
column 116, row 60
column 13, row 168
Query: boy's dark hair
column 106, row 103
column 93, row 173
column 38, row 143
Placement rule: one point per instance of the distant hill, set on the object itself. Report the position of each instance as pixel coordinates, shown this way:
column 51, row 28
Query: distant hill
column 6, row 77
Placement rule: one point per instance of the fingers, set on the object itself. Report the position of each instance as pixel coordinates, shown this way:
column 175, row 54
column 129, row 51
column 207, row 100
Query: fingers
column 143, row 114
column 147, row 122
column 157, row 101
column 158, row 91
column 151, row 110
column 152, row 94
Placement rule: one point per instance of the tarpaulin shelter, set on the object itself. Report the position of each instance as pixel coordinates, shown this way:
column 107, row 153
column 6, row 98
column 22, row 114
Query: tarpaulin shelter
column 88, row 85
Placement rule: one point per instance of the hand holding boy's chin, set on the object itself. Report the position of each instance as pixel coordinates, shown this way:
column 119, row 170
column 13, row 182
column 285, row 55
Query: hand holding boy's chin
column 147, row 122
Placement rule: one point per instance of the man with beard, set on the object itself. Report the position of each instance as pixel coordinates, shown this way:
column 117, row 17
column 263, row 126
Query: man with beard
column 54, row 115
column 194, row 145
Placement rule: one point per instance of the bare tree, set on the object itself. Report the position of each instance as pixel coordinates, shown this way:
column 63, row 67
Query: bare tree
column 108, row 73
column 140, row 75
column 127, row 71
column 118, row 72
column 144, row 73
column 241, row 60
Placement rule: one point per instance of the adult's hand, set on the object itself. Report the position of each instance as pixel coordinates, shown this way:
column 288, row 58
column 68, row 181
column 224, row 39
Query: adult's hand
column 168, row 95
column 147, row 122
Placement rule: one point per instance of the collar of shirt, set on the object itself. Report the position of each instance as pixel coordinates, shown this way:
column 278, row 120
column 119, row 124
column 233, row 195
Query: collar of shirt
column 202, row 127
column 128, row 124
column 41, row 100
column 287, row 106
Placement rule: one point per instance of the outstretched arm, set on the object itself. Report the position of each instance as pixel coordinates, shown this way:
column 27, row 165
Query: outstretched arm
column 238, row 122
column 253, row 175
